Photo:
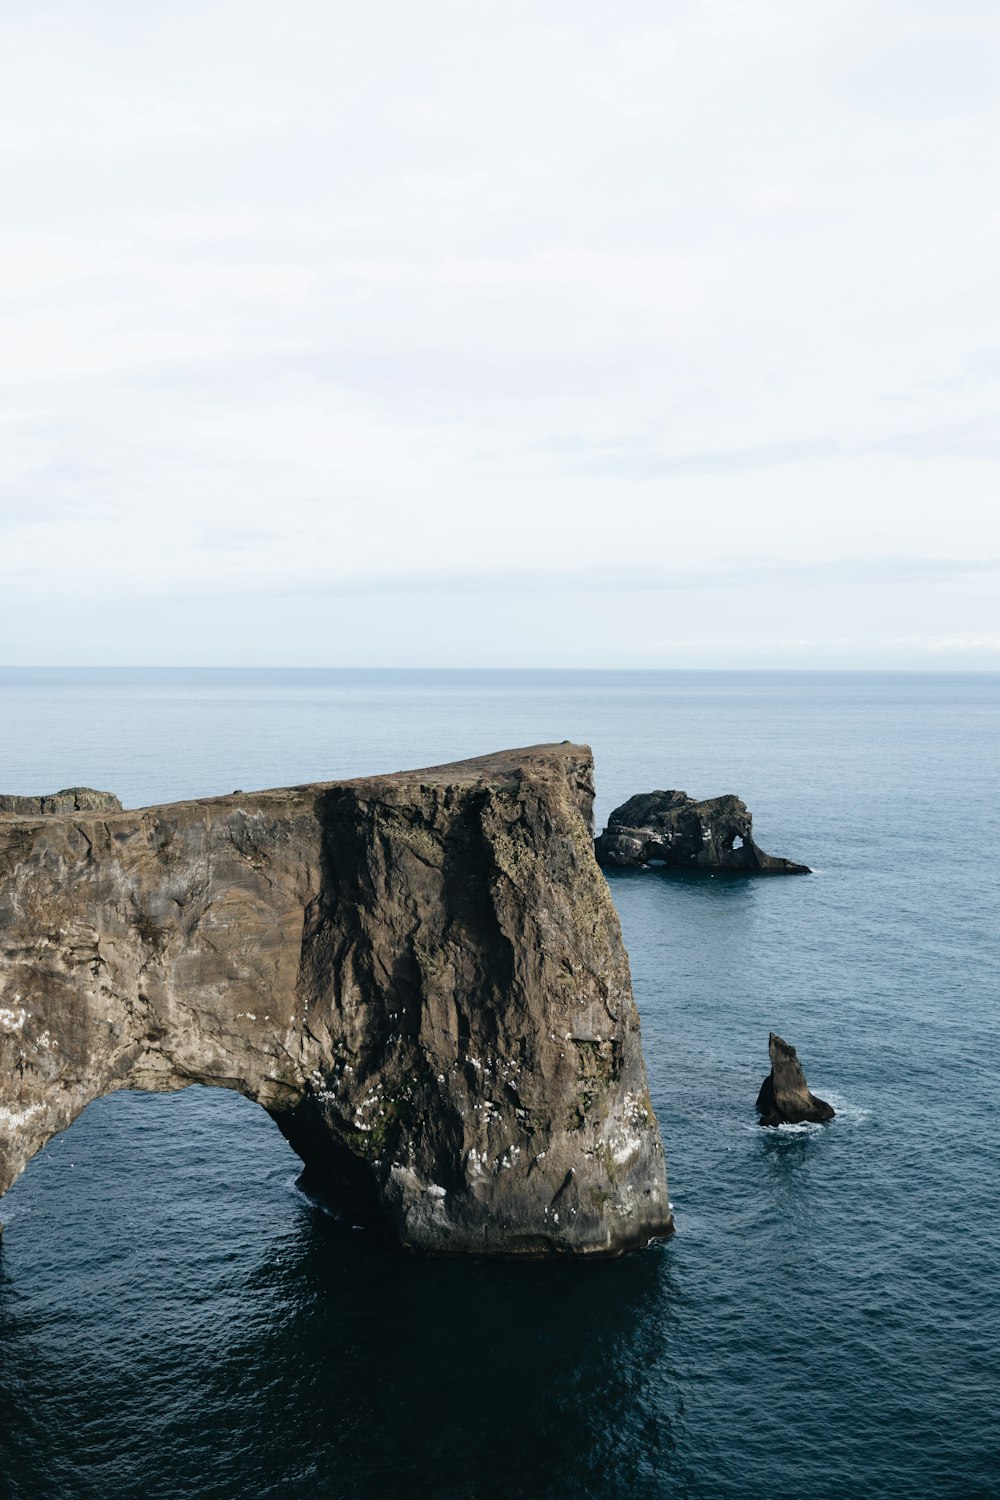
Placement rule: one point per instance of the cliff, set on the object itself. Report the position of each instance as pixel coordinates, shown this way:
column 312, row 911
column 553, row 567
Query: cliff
column 419, row 976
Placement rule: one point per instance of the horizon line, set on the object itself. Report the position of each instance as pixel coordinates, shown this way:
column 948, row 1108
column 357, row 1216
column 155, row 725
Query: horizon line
column 912, row 670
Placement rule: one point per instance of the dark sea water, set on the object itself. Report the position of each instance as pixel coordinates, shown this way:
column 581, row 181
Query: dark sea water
column 177, row 1320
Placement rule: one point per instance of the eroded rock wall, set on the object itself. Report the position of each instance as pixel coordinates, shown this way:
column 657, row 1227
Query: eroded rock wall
column 420, row 976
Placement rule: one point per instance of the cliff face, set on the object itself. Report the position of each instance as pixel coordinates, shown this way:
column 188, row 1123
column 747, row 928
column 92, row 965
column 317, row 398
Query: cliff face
column 671, row 828
column 419, row 976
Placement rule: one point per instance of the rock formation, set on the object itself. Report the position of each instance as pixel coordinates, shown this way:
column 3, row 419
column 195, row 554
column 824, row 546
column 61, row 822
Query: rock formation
column 671, row 828
column 784, row 1097
column 73, row 799
column 419, row 976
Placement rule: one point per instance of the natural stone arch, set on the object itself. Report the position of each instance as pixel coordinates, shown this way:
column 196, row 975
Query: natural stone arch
column 419, row 976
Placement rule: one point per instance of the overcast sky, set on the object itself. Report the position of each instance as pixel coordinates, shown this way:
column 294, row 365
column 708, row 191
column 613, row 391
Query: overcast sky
column 472, row 333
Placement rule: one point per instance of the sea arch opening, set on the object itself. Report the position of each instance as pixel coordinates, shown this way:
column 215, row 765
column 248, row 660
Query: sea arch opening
column 134, row 1158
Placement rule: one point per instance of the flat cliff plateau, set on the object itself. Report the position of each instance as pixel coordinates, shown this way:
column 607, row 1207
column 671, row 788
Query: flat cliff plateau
column 419, row 976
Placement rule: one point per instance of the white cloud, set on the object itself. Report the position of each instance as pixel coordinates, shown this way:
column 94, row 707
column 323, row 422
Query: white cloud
column 300, row 303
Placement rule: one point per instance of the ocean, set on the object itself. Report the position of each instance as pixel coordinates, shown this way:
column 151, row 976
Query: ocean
column 179, row 1322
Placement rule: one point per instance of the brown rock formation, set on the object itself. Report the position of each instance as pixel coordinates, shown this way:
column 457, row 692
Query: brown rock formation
column 419, row 976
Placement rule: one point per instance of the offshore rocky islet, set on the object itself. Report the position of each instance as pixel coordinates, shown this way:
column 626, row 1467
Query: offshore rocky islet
column 670, row 828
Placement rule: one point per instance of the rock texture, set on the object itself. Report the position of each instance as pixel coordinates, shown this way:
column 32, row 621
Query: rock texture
column 73, row 799
column 673, row 829
column 419, row 976
column 784, row 1097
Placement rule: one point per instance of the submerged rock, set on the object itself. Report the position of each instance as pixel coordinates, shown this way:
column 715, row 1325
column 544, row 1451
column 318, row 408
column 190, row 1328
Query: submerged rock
column 73, row 799
column 784, row 1097
column 671, row 828
column 420, row 977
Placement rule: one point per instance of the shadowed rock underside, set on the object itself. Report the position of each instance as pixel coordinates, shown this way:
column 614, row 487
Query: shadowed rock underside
column 419, row 976
column 671, row 828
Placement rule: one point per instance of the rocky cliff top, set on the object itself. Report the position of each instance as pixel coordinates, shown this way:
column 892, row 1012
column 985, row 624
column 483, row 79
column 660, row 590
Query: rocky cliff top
column 71, row 799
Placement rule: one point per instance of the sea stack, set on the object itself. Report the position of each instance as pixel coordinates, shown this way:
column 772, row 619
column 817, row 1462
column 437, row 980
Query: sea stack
column 671, row 828
column 420, row 977
column 784, row 1097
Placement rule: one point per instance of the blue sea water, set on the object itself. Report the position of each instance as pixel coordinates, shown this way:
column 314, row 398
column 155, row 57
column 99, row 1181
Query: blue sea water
column 178, row 1320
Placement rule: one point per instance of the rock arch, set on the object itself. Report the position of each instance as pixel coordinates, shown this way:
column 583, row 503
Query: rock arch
column 419, row 976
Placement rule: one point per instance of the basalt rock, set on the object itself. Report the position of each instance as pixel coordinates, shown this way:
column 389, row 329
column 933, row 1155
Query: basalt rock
column 671, row 828
column 73, row 799
column 784, row 1097
column 419, row 976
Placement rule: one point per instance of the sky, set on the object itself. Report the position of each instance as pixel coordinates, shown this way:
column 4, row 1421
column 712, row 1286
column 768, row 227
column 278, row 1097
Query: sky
column 500, row 333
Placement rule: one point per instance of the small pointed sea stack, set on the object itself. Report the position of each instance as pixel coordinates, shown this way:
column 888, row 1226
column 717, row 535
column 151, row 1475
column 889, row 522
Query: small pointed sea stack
column 784, row 1097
